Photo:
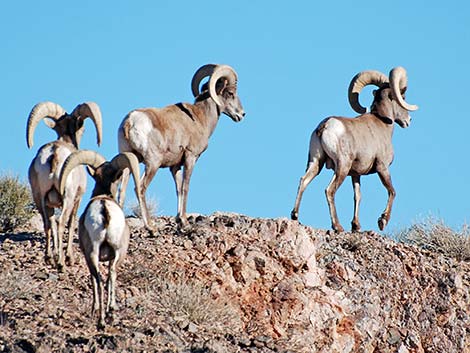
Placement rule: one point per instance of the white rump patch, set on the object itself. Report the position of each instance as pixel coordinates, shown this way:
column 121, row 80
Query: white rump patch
column 331, row 136
column 140, row 128
column 94, row 222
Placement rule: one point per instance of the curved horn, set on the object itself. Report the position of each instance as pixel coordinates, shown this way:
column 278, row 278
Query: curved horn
column 398, row 82
column 362, row 79
column 202, row 72
column 219, row 72
column 86, row 157
column 40, row 111
column 90, row 110
column 129, row 160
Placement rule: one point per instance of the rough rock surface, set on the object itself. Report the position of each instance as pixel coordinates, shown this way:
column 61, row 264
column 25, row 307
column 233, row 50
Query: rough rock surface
column 231, row 283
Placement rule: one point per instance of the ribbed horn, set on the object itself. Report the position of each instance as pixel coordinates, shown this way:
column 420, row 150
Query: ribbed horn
column 201, row 73
column 90, row 110
column 398, row 82
column 40, row 111
column 362, row 79
column 86, row 157
column 219, row 72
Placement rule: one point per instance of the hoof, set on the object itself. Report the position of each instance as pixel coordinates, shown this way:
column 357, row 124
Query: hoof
column 48, row 260
column 338, row 229
column 294, row 215
column 355, row 227
column 100, row 326
column 382, row 222
column 69, row 260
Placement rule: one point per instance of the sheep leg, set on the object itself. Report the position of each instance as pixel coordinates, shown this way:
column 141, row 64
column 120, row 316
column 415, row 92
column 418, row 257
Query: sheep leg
column 123, row 187
column 47, row 217
column 67, row 209
column 92, row 260
column 386, row 180
column 189, row 163
column 149, row 174
column 177, row 173
column 330, row 192
column 111, row 284
column 69, row 258
column 313, row 169
column 356, row 181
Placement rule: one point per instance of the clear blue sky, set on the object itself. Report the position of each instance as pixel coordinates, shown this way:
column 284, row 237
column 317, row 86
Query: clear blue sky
column 294, row 60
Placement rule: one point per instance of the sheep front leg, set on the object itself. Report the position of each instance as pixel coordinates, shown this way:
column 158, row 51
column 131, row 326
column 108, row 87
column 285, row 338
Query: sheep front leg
column 386, row 180
column 356, row 181
column 189, row 163
column 177, row 173
column 313, row 169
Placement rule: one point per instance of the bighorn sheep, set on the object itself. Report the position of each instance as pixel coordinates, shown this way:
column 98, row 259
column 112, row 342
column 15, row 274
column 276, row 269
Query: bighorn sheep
column 175, row 136
column 102, row 229
column 362, row 145
column 45, row 168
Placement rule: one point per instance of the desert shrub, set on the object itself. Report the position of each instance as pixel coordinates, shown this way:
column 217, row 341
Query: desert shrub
column 434, row 235
column 16, row 205
column 134, row 208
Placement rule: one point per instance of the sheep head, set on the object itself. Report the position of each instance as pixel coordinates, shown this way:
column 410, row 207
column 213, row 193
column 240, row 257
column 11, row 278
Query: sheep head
column 222, row 88
column 106, row 174
column 389, row 99
column 69, row 127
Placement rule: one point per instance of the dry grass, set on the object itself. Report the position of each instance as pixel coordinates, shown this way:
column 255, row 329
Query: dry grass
column 434, row 235
column 16, row 204
column 190, row 304
column 13, row 285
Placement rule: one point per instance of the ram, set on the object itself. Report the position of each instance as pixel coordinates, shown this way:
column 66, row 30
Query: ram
column 45, row 169
column 361, row 145
column 175, row 136
column 102, row 229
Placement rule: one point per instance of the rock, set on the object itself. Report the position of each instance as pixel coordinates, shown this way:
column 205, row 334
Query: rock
column 239, row 284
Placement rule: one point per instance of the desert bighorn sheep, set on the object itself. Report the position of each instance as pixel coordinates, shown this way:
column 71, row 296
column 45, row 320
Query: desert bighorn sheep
column 362, row 145
column 102, row 229
column 175, row 136
column 45, row 169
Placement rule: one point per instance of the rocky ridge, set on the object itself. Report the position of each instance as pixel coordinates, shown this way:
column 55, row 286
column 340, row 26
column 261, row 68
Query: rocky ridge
column 231, row 283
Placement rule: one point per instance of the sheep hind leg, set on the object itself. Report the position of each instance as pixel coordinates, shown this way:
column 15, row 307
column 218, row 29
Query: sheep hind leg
column 149, row 174
column 69, row 258
column 313, row 169
column 92, row 260
column 123, row 187
column 356, row 181
column 386, row 180
column 111, row 286
column 330, row 192
column 48, row 215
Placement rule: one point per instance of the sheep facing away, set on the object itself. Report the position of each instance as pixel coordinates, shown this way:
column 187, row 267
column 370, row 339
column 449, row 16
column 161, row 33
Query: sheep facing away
column 175, row 136
column 102, row 229
column 45, row 169
column 359, row 146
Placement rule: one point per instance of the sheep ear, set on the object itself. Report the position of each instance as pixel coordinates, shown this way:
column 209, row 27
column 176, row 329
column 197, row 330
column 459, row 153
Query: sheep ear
column 50, row 122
